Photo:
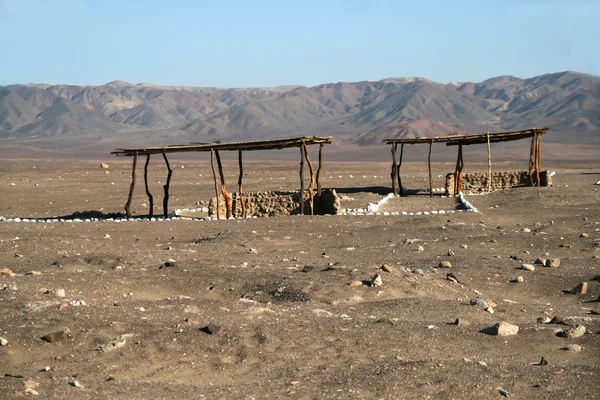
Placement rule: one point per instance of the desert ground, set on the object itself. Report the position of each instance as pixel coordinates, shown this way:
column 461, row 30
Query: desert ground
column 277, row 308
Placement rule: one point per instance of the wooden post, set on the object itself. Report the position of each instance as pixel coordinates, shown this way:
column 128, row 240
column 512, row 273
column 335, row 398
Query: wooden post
column 429, row 164
column 319, row 169
column 458, row 172
column 301, row 196
column 128, row 204
column 394, row 172
column 531, row 158
column 537, row 158
column 150, row 198
column 489, row 183
column 400, row 187
column 240, row 188
column 226, row 195
column 311, row 186
column 212, row 165
column 166, row 187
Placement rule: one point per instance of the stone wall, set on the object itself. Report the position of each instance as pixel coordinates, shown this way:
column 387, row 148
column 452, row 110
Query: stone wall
column 478, row 182
column 277, row 203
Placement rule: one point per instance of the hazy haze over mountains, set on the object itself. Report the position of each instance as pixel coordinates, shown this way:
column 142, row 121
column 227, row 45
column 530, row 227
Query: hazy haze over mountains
column 359, row 112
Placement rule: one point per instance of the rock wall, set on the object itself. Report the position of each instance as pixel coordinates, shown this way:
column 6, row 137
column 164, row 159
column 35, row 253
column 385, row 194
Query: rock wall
column 276, row 203
column 478, row 182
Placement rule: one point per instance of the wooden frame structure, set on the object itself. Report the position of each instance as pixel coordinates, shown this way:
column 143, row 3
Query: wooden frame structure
column 214, row 147
column 459, row 140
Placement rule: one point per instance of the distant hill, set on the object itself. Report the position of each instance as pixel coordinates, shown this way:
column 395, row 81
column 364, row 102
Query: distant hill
column 359, row 112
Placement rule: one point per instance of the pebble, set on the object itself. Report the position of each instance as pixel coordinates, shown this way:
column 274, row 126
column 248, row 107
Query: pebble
column 33, row 273
column 418, row 271
column 3, row 341
column 307, row 268
column 60, row 292
column 461, row 322
column 520, row 279
column 553, row 263
column 527, row 267
column 420, row 248
column 212, row 329
column 574, row 332
column 580, row 289
column 55, row 336
column 445, row 264
column 387, row 268
column 376, row 280
column 505, row 329
column 464, row 246
column 526, row 230
column 355, row 283
column 540, row 261
column 573, row 347
column 584, row 235
column 74, row 382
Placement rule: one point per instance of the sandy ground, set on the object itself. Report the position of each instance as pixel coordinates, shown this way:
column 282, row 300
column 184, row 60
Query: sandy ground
column 287, row 324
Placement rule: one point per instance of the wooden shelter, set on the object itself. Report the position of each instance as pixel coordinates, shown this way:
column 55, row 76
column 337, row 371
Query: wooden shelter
column 214, row 148
column 459, row 140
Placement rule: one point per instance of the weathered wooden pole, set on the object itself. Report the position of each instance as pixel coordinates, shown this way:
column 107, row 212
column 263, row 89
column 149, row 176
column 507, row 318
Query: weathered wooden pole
column 240, row 188
column 150, row 198
column 394, row 173
column 311, row 186
column 212, row 165
column 459, row 168
column 429, row 164
column 489, row 182
column 226, row 195
column 400, row 187
column 531, row 158
column 456, row 170
column 131, row 187
column 301, row 196
column 319, row 169
column 166, row 186
column 538, row 158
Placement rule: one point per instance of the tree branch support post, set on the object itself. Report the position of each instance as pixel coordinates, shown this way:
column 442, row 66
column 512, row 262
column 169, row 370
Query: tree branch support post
column 301, row 195
column 150, row 198
column 400, row 187
column 531, row 159
column 458, row 171
column 489, row 182
column 212, row 165
column 166, row 186
column 311, row 186
column 538, row 159
column 226, row 195
column 240, row 188
column 429, row 165
column 131, row 187
column 319, row 169
column 394, row 173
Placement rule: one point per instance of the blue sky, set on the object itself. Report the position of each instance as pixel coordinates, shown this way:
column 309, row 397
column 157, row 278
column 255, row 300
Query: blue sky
column 237, row 43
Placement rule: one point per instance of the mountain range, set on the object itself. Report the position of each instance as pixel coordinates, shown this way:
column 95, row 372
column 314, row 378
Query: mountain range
column 362, row 113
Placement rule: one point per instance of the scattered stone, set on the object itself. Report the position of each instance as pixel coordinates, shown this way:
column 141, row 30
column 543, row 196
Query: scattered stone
column 543, row 320
column 450, row 253
column 115, row 344
column 376, row 281
column 540, row 261
column 490, row 310
column 527, row 267
column 526, row 230
column 387, row 268
column 504, row 393
column 386, row 321
column 5, row 271
column 543, row 362
column 55, row 336
column 445, row 264
column 520, row 279
column 252, row 251
column 420, row 248
column 355, row 283
column 579, row 289
column 574, row 332
column 103, row 166
column 553, row 263
column 572, row 347
column 557, row 321
column 33, row 273
column 31, row 391
column 418, row 271
column 505, row 329
column 74, row 382
column 3, row 341
column 168, row 264
column 584, row 235
column 464, row 246
column 307, row 268
column 212, row 329
column 461, row 322
column 452, row 278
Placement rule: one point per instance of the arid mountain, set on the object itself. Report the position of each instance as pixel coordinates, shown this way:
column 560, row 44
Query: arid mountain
column 360, row 112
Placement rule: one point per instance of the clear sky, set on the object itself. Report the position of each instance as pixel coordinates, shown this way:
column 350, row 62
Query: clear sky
column 251, row 43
